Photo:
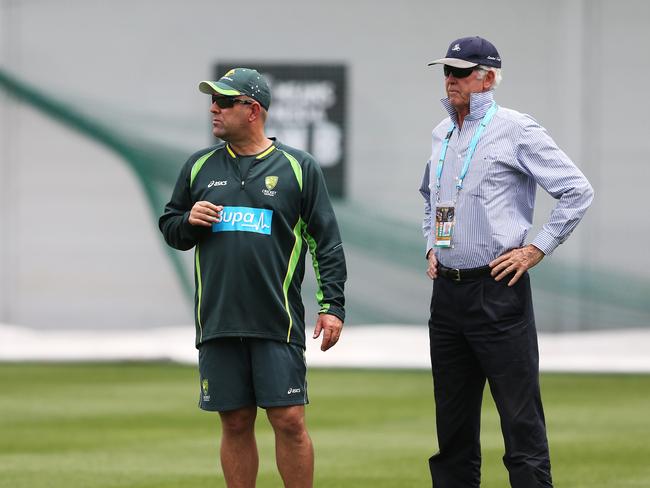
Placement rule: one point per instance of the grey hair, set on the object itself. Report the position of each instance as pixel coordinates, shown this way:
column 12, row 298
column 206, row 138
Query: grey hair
column 482, row 71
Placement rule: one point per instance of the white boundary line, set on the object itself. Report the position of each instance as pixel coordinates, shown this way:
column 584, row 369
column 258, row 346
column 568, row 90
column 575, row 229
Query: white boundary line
column 361, row 346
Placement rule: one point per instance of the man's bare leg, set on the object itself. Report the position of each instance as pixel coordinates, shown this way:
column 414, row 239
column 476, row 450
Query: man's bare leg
column 294, row 451
column 239, row 458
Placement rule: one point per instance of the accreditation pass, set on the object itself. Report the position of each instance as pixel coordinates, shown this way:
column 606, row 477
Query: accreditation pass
column 445, row 220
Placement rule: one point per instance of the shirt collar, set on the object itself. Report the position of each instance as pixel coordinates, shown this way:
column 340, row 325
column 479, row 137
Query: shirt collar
column 479, row 103
column 263, row 155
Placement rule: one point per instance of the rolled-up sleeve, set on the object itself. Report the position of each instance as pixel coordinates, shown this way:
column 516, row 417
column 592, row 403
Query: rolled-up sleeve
column 426, row 221
column 541, row 158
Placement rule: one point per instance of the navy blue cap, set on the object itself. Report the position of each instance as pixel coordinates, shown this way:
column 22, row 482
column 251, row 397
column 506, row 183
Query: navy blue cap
column 468, row 52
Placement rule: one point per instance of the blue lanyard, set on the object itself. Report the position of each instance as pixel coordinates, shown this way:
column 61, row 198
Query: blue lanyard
column 470, row 150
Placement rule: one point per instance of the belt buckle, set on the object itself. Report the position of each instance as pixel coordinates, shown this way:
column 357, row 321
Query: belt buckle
column 455, row 274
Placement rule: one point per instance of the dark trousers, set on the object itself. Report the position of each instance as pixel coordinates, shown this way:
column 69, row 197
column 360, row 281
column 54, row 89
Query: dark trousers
column 482, row 329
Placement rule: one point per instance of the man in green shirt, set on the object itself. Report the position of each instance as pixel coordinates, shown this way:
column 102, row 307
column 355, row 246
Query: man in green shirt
column 251, row 207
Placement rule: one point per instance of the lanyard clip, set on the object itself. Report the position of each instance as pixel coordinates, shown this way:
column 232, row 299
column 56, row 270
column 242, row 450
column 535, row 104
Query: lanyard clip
column 451, row 131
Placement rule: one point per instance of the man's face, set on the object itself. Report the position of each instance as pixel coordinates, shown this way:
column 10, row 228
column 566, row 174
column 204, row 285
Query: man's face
column 459, row 89
column 230, row 117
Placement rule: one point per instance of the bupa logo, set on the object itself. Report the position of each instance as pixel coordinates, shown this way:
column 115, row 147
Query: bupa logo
column 456, row 47
column 244, row 219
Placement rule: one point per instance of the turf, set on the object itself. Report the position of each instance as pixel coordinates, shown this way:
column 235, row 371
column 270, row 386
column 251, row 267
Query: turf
column 137, row 426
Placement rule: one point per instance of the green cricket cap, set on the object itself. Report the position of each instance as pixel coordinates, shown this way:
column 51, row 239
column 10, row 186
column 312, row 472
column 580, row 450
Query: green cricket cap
column 240, row 81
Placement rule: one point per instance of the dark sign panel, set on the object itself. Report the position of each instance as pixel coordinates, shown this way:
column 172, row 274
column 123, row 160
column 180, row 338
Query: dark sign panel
column 307, row 112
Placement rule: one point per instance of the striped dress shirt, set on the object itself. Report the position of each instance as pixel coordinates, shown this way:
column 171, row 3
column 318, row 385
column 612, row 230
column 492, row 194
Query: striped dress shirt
column 494, row 210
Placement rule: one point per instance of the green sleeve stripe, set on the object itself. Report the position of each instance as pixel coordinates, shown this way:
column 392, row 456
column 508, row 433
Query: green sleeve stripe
column 291, row 269
column 196, row 167
column 312, row 250
column 296, row 168
column 199, row 290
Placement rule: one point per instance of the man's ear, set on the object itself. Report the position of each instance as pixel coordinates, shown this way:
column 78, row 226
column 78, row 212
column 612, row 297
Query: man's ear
column 488, row 80
column 256, row 112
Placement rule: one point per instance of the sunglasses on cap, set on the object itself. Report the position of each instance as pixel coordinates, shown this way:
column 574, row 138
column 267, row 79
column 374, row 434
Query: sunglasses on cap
column 458, row 72
column 229, row 102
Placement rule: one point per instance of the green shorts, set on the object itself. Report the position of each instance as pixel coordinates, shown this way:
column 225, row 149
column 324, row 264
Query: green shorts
column 239, row 372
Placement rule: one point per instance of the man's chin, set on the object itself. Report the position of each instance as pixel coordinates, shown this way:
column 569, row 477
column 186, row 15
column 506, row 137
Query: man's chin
column 456, row 101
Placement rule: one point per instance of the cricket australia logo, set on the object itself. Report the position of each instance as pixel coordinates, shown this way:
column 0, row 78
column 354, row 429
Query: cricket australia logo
column 244, row 219
column 270, row 182
column 204, row 390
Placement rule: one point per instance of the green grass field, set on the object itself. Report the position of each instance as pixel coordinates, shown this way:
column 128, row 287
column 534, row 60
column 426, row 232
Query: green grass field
column 137, row 426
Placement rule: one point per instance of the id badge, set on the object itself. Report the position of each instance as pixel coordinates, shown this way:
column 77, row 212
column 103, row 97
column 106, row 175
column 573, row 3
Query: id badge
column 445, row 220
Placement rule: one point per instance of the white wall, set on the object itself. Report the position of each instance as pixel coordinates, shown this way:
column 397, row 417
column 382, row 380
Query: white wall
column 78, row 244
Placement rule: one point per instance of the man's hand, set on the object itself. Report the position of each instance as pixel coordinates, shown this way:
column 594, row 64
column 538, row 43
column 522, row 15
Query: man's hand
column 331, row 326
column 204, row 213
column 518, row 261
column 432, row 268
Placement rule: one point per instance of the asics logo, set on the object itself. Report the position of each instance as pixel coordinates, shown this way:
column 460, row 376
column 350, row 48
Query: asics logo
column 244, row 219
column 217, row 183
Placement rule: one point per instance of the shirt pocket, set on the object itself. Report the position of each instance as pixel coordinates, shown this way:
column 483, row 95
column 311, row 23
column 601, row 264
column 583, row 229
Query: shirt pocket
column 483, row 178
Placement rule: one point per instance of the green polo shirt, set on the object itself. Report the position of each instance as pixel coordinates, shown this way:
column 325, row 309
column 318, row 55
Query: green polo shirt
column 249, row 266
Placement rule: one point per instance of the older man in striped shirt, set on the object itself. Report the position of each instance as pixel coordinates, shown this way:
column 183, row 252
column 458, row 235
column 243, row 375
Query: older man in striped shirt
column 479, row 190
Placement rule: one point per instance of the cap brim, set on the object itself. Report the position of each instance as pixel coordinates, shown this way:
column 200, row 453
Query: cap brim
column 212, row 87
column 456, row 63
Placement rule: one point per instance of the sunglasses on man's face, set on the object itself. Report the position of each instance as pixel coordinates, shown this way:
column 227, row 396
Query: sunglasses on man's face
column 457, row 72
column 229, row 102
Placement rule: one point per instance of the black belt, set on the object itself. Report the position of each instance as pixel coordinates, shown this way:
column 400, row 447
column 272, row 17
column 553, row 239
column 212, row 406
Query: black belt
column 456, row 274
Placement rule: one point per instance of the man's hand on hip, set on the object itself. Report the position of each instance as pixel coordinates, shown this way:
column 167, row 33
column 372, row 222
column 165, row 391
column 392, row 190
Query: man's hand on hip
column 204, row 213
column 517, row 261
column 331, row 327
column 432, row 267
